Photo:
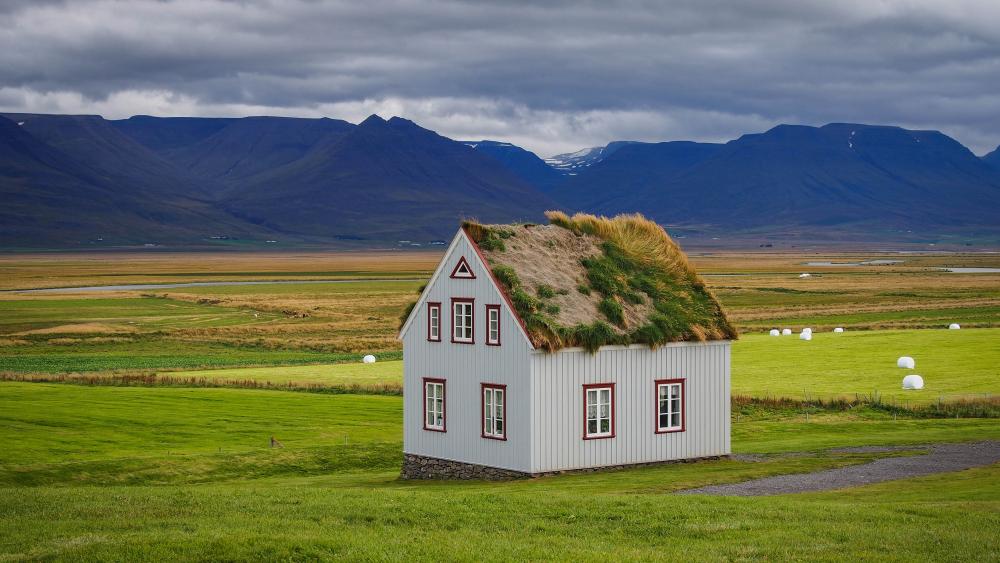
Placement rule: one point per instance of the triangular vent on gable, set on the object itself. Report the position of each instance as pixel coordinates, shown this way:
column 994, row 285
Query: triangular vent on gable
column 462, row 270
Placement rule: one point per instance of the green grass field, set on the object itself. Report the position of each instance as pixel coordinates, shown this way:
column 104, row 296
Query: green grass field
column 153, row 354
column 185, row 472
column 154, row 473
column 953, row 363
column 371, row 518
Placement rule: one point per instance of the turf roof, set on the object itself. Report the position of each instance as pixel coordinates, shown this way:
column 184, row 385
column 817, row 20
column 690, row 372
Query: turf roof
column 592, row 281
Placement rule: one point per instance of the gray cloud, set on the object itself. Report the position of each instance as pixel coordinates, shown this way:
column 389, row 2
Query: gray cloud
column 552, row 77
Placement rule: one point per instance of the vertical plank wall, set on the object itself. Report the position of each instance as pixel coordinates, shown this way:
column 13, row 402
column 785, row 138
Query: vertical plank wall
column 557, row 415
column 465, row 367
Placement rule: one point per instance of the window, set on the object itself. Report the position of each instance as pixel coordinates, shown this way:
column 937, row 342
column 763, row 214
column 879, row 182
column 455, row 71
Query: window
column 434, row 322
column 669, row 405
column 461, row 320
column 599, row 411
column 493, row 325
column 434, row 404
column 494, row 410
column 462, row 270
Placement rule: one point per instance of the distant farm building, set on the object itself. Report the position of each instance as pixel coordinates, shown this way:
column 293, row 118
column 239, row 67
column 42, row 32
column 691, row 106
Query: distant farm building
column 586, row 343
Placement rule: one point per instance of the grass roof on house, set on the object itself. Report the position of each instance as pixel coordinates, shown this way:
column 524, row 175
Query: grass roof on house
column 592, row 281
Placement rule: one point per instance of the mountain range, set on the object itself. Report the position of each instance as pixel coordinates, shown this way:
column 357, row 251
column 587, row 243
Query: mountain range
column 74, row 180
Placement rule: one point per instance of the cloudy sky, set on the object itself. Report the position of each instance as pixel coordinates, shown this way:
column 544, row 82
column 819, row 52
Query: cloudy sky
column 553, row 77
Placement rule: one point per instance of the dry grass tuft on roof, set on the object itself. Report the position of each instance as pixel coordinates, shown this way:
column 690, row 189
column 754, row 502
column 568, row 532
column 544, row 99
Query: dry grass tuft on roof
column 592, row 281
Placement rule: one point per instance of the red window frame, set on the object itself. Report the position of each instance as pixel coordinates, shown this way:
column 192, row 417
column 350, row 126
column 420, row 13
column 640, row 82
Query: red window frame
column 454, row 271
column 614, row 414
column 432, row 305
column 472, row 302
column 656, row 405
column 482, row 410
column 444, row 404
column 488, row 309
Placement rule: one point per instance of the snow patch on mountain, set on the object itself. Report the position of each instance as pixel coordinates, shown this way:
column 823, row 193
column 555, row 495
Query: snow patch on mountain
column 572, row 163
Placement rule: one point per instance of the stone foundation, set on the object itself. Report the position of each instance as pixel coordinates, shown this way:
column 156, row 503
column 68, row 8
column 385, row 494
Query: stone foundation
column 631, row 465
column 423, row 467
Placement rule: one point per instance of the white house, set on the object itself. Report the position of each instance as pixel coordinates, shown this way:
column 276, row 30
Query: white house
column 495, row 385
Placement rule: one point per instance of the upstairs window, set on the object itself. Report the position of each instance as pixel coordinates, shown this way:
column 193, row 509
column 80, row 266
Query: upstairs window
column 494, row 410
column 434, row 404
column 462, row 320
column 493, row 325
column 434, row 322
column 598, row 411
column 462, row 270
column 669, row 405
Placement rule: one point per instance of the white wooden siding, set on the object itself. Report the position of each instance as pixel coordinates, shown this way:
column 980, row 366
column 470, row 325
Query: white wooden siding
column 557, row 415
column 465, row 367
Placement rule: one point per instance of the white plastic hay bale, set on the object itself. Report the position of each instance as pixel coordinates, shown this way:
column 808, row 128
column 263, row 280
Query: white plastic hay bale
column 913, row 381
column 806, row 336
column 838, row 329
column 369, row 359
column 807, row 330
column 954, row 326
column 786, row 332
column 805, row 275
column 774, row 332
column 905, row 362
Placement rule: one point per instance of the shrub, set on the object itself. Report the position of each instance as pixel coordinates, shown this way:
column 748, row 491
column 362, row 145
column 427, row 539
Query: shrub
column 506, row 275
column 524, row 303
column 546, row 291
column 591, row 337
column 612, row 310
column 488, row 238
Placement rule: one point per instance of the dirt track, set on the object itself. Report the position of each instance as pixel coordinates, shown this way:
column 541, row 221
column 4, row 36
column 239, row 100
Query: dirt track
column 940, row 458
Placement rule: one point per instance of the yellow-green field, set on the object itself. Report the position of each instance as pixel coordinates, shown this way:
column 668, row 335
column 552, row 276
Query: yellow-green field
column 962, row 364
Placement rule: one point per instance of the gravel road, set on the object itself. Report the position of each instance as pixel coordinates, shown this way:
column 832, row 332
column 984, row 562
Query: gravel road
column 939, row 458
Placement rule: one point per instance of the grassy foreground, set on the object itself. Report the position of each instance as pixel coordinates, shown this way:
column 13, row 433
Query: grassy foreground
column 376, row 519
column 167, row 473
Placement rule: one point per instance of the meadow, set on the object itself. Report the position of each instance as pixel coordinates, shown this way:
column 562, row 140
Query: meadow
column 176, row 463
column 156, row 473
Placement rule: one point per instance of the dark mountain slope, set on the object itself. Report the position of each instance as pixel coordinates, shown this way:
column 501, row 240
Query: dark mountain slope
column 252, row 145
column 387, row 179
column 630, row 168
column 105, row 149
column 52, row 199
column 165, row 133
column 839, row 174
column 993, row 159
column 525, row 164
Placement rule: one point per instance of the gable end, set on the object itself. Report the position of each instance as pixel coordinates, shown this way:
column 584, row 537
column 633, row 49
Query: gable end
column 422, row 301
